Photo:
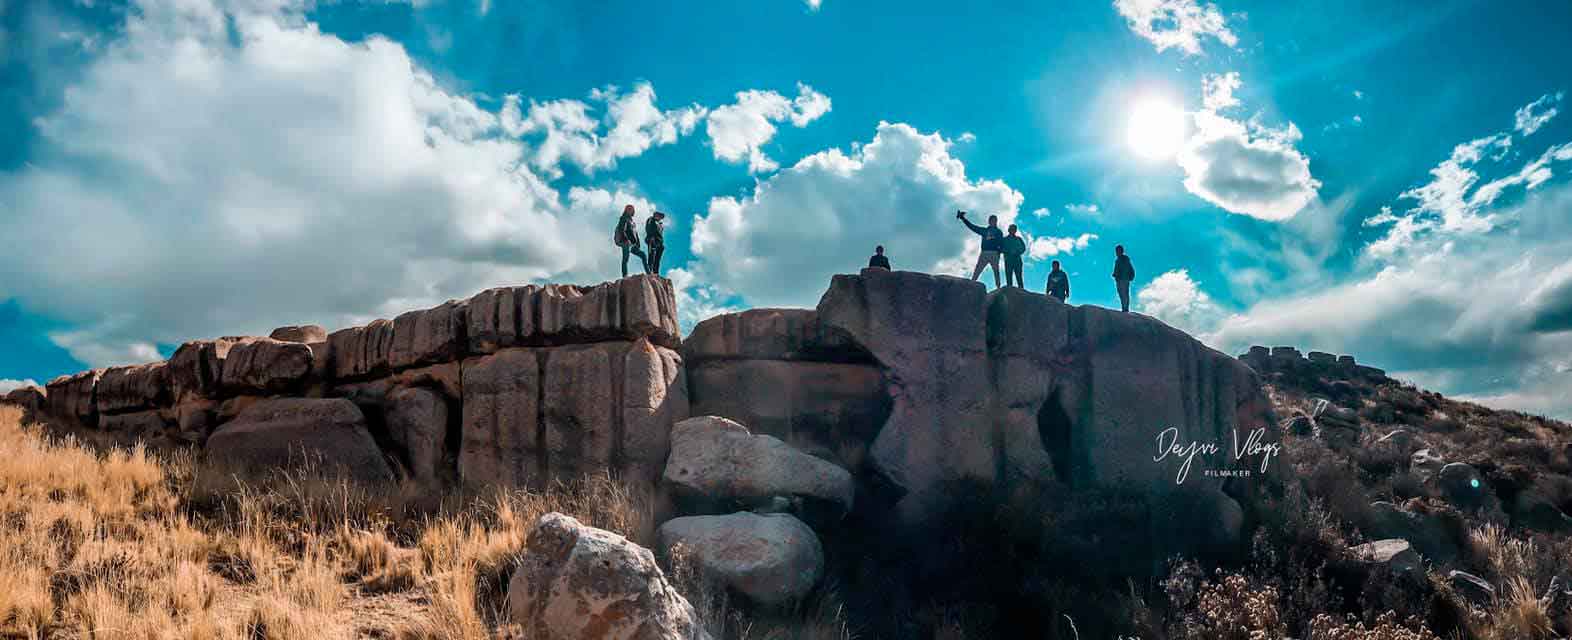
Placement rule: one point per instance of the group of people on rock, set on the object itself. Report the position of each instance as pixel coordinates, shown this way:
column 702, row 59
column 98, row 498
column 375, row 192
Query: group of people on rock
column 996, row 244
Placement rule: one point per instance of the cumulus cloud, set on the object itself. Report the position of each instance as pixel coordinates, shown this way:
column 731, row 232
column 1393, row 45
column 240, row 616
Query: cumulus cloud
column 1047, row 246
column 1178, row 300
column 8, row 385
column 1180, row 24
column 824, row 215
column 229, row 168
column 633, row 124
column 739, row 130
column 1244, row 167
column 1083, row 209
column 1536, row 114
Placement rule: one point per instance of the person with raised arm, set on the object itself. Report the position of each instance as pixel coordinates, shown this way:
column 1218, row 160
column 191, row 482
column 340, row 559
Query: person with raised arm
column 992, row 245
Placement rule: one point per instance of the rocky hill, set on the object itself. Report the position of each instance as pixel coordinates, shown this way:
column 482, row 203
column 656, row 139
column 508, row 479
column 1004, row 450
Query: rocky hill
column 998, row 460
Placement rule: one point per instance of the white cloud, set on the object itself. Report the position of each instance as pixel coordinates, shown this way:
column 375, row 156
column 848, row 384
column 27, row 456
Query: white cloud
column 1359, row 95
column 1083, row 209
column 8, row 385
column 1046, row 246
column 739, row 130
column 1179, row 24
column 216, row 171
column 813, row 5
column 1041, row 212
column 825, row 214
column 1176, row 299
column 1244, row 167
column 634, row 124
column 697, row 301
column 1536, row 114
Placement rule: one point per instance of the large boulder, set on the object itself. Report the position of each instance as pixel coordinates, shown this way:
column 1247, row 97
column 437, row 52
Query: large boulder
column 133, row 388
column 429, row 336
column 720, row 462
column 30, row 398
column 576, row 582
column 1465, row 488
column 770, row 558
column 265, row 365
column 360, row 352
column 642, row 306
column 771, row 334
column 329, row 434
column 500, row 318
column 417, row 420
column 74, row 397
column 500, row 441
column 303, row 333
column 196, row 369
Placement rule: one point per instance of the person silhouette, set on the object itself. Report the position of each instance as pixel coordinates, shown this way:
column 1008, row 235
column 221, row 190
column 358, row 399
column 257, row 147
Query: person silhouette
column 878, row 261
column 655, row 239
column 1014, row 247
column 1123, row 273
column 627, row 238
column 1058, row 283
column 992, row 244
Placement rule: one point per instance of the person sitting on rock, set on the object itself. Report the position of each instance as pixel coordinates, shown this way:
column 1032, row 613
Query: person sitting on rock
column 992, row 244
column 628, row 238
column 1123, row 273
column 1058, row 283
column 655, row 239
column 1014, row 247
column 878, row 261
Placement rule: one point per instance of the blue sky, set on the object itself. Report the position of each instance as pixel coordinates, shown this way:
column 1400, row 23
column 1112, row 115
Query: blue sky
column 1354, row 177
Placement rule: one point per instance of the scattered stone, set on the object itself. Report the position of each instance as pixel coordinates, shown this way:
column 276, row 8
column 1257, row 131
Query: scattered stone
column 303, row 333
column 329, row 434
column 772, row 559
column 576, row 582
column 717, row 459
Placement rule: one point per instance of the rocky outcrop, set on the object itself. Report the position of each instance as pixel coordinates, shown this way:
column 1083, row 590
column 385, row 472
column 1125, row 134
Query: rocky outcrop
column 771, row 559
column 718, row 462
column 1013, row 388
column 74, row 398
column 576, row 582
column 417, row 422
column 132, row 388
column 265, row 365
column 330, row 434
column 785, row 374
column 304, row 334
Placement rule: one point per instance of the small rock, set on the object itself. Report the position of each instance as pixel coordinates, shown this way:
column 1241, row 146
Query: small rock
column 771, row 559
column 1394, row 553
column 576, row 582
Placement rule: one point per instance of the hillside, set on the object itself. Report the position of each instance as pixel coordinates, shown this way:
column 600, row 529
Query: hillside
column 916, row 457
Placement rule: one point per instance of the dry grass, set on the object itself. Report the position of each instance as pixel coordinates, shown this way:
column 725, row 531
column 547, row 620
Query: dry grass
column 122, row 544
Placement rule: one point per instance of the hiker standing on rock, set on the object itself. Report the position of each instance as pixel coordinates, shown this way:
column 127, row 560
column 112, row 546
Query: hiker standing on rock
column 655, row 239
column 878, row 261
column 1123, row 273
column 628, row 238
column 1058, row 283
column 1014, row 253
column 992, row 244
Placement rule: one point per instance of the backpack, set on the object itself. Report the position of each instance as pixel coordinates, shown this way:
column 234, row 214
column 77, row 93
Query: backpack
column 620, row 234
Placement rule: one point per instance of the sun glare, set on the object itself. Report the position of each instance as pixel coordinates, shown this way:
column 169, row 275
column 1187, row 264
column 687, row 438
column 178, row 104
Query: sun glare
column 1156, row 129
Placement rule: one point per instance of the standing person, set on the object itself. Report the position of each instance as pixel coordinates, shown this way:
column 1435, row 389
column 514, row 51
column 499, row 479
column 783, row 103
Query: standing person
column 1014, row 247
column 1058, row 283
column 628, row 238
column 655, row 239
column 878, row 261
column 992, row 243
column 1123, row 273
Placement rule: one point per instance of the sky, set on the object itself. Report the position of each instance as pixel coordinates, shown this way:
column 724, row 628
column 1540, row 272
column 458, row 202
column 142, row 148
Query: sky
column 1351, row 177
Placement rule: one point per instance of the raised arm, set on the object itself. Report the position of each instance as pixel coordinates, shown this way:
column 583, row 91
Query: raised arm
column 975, row 229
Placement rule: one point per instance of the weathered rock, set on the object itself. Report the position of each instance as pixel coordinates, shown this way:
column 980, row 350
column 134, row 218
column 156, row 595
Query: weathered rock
column 265, row 365
column 133, row 388
column 417, row 421
column 579, row 405
column 360, row 352
column 580, row 583
column 1336, row 416
column 1425, row 463
column 1472, row 587
column 654, row 397
column 772, row 558
column 500, row 318
column 501, row 442
column 446, row 378
column 1345, row 361
column 1393, row 553
column 74, row 397
column 626, row 309
column 1532, row 510
column 128, row 428
column 830, row 409
column 31, row 399
column 1401, row 441
column 195, row 419
column 771, row 334
column 1465, row 488
column 304, row 334
column 429, row 336
column 1437, row 534
column 1322, row 357
column 196, row 369
column 290, row 432
column 719, row 460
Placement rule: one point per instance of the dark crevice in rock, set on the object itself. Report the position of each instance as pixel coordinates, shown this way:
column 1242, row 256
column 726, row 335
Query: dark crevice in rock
column 1055, row 429
column 542, row 459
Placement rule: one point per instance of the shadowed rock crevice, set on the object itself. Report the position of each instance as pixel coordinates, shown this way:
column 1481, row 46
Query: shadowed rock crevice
column 1055, row 429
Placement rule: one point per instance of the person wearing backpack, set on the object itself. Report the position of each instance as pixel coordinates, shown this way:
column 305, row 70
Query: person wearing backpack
column 627, row 237
column 655, row 239
column 1014, row 247
column 1123, row 273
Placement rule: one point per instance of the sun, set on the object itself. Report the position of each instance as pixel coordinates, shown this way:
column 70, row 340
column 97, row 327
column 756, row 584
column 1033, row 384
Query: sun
column 1156, row 129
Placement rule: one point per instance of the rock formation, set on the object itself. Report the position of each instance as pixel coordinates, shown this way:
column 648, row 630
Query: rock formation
column 770, row 558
